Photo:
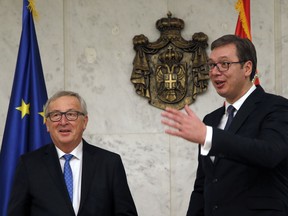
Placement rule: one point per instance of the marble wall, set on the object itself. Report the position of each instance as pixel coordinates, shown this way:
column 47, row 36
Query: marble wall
column 86, row 46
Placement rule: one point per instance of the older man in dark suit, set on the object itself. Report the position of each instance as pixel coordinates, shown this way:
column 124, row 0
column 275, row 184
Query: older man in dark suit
column 70, row 176
column 243, row 151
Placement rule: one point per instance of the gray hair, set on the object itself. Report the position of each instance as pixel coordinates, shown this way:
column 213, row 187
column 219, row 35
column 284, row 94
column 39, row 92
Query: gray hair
column 66, row 93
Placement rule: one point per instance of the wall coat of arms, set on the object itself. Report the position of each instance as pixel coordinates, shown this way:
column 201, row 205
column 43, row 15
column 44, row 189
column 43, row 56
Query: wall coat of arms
column 170, row 71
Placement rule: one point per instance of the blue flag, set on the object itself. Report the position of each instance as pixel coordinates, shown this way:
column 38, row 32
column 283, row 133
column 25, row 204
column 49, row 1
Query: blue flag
column 25, row 128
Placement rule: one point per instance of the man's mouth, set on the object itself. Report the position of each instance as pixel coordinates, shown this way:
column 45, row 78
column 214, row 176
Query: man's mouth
column 64, row 131
column 219, row 83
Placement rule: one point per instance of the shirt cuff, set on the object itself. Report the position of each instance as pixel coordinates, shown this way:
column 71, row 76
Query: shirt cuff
column 208, row 142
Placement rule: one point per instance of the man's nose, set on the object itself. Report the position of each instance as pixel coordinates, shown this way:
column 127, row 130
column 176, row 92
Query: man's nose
column 214, row 71
column 63, row 119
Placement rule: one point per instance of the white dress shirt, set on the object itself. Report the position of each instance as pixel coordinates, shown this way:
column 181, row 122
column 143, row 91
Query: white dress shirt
column 76, row 166
column 209, row 134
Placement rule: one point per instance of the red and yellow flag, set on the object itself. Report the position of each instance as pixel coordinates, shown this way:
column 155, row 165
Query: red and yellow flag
column 243, row 27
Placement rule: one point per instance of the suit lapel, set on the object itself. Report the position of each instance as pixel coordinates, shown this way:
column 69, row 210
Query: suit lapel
column 246, row 109
column 242, row 114
column 88, row 172
column 214, row 119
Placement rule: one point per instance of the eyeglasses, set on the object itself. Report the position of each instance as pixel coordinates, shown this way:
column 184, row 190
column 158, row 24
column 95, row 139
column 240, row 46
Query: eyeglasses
column 69, row 115
column 222, row 66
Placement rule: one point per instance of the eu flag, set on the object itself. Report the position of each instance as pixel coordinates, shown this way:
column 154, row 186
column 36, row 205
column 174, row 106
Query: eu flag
column 25, row 128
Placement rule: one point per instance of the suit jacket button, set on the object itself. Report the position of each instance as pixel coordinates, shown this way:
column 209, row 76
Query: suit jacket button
column 215, row 180
column 215, row 207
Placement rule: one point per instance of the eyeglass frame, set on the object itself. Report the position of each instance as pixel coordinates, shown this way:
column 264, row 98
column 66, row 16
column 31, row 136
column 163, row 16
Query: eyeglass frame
column 65, row 114
column 222, row 62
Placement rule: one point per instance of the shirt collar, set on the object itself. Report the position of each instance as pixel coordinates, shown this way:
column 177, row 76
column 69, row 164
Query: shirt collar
column 241, row 100
column 77, row 152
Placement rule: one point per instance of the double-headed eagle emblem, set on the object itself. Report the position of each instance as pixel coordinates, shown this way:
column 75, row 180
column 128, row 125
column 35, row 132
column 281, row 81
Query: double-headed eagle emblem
column 170, row 71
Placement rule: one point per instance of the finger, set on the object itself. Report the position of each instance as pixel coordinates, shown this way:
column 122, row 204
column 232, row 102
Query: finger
column 166, row 122
column 173, row 124
column 165, row 114
column 172, row 120
column 173, row 132
column 169, row 115
column 173, row 111
column 188, row 110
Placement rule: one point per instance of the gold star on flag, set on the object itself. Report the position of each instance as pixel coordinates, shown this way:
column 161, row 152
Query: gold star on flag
column 42, row 114
column 24, row 108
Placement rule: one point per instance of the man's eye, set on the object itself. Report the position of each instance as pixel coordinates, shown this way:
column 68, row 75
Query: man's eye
column 55, row 114
column 211, row 65
column 224, row 64
column 72, row 114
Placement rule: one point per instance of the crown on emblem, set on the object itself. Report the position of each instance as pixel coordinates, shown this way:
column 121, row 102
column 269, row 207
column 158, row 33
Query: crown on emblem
column 169, row 23
column 170, row 56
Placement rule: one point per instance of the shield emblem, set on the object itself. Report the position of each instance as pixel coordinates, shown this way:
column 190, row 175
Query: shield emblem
column 172, row 70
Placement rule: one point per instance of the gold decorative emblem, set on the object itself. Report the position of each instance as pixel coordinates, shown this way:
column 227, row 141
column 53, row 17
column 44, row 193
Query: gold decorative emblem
column 170, row 71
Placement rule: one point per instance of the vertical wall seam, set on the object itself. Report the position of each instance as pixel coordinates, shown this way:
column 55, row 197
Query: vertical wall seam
column 278, row 47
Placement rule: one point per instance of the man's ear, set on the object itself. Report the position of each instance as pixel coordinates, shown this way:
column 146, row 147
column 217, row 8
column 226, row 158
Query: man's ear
column 248, row 68
column 85, row 122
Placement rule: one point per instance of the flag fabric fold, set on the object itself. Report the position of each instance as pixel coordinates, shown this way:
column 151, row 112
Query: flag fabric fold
column 243, row 26
column 25, row 128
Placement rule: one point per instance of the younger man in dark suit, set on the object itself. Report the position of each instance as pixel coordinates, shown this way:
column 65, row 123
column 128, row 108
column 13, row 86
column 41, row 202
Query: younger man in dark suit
column 243, row 167
column 94, row 180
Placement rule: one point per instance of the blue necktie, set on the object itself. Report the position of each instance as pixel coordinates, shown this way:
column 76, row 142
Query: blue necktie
column 230, row 111
column 68, row 175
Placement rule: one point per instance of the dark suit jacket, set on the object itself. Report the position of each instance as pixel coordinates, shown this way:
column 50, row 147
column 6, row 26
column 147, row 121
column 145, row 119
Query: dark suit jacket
column 250, row 173
column 39, row 187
